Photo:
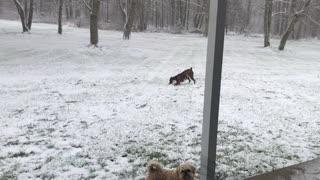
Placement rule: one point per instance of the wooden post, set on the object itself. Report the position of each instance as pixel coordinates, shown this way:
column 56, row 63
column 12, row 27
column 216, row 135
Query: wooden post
column 217, row 15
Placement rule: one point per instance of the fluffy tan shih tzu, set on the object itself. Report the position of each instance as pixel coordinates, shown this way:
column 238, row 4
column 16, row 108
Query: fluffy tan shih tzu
column 184, row 171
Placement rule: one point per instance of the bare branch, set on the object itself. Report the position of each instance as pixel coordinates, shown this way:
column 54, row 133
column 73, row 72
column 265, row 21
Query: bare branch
column 285, row 12
column 84, row 1
column 281, row 1
column 18, row 4
column 313, row 20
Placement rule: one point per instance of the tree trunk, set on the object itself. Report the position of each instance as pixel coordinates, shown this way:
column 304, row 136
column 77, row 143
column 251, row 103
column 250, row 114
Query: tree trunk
column 196, row 16
column 180, row 17
column 67, row 10
column 146, row 16
column 94, row 22
column 294, row 19
column 293, row 6
column 162, row 15
column 22, row 17
column 26, row 10
column 60, row 17
column 182, row 13
column 267, row 22
column 290, row 28
column 156, row 14
column 248, row 13
column 152, row 13
column 31, row 8
column 142, row 25
column 70, row 9
column 187, row 14
column 124, row 12
column 206, row 28
column 173, row 13
column 280, row 29
column 131, row 15
column 167, row 17
column 107, row 11
column 178, row 20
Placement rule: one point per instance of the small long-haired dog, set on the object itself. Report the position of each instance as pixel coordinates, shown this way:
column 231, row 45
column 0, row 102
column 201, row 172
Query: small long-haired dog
column 184, row 171
column 186, row 74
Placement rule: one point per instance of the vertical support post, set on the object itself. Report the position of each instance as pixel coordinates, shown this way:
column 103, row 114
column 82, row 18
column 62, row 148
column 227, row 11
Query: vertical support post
column 217, row 18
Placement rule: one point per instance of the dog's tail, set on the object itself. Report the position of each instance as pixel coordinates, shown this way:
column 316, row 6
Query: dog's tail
column 153, row 166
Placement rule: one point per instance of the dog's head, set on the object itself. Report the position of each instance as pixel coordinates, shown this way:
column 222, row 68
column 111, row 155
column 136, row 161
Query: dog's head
column 171, row 80
column 186, row 171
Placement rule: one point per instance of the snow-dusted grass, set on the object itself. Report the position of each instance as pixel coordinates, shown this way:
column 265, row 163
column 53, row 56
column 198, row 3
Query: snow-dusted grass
column 73, row 112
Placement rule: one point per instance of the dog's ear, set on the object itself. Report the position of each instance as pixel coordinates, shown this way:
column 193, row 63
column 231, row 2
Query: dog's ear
column 153, row 166
column 193, row 169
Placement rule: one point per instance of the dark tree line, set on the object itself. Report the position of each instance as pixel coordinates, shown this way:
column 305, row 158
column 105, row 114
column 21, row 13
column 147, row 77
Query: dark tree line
column 167, row 15
column 285, row 19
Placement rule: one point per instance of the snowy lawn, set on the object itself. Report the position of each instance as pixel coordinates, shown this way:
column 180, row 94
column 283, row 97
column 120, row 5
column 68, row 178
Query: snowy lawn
column 73, row 112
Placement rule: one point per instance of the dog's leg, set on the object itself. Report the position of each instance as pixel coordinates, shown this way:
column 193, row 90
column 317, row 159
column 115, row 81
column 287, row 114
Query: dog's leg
column 189, row 79
column 193, row 79
column 178, row 80
column 191, row 76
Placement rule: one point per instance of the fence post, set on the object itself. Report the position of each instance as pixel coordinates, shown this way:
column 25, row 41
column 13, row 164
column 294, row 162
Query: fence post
column 217, row 16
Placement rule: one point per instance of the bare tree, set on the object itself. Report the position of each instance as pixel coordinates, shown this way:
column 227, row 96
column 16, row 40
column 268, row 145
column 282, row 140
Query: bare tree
column 22, row 16
column 129, row 15
column 30, row 14
column 94, row 11
column 294, row 19
column 60, row 17
column 267, row 22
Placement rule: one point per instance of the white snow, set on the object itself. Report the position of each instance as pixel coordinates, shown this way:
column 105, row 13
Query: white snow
column 69, row 111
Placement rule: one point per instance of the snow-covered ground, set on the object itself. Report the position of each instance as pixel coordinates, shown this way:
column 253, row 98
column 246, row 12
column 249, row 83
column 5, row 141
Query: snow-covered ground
column 69, row 111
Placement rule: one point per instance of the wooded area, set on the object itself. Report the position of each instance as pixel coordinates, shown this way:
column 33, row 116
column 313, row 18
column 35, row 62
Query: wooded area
column 277, row 18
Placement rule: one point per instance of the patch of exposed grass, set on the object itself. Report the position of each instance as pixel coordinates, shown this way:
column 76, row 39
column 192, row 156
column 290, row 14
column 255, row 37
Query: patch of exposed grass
column 135, row 152
column 48, row 176
column 8, row 175
column 20, row 154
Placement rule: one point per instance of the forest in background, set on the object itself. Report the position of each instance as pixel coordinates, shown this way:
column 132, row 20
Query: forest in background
column 243, row 16
column 285, row 19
